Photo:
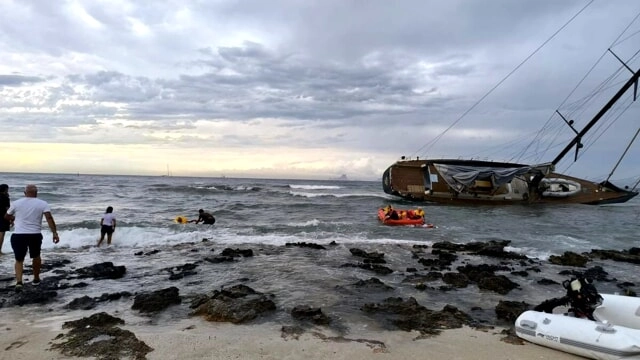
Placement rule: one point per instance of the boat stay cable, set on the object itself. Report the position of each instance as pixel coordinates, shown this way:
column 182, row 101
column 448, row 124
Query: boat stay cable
column 623, row 154
column 429, row 144
column 587, row 98
column 595, row 138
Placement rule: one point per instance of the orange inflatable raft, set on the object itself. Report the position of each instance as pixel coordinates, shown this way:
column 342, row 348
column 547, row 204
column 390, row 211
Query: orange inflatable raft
column 403, row 221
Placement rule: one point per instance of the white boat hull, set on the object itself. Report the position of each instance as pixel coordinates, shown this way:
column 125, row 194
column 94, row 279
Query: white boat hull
column 619, row 310
column 583, row 337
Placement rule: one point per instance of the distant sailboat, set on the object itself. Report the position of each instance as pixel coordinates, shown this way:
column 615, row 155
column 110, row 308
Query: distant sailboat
column 169, row 173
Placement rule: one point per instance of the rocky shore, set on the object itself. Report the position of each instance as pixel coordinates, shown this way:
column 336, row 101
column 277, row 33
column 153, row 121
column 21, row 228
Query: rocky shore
column 482, row 267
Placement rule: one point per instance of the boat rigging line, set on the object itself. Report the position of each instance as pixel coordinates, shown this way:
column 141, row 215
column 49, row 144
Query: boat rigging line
column 623, row 154
column 576, row 140
column 429, row 144
column 586, row 99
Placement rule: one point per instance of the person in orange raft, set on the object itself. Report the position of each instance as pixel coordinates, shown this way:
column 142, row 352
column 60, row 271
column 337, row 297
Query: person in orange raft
column 391, row 213
column 415, row 214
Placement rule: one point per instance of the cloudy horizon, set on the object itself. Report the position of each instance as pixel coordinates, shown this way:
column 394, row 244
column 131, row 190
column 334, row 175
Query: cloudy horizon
column 307, row 89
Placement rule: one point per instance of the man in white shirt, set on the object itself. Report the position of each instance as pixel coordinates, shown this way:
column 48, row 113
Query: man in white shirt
column 26, row 214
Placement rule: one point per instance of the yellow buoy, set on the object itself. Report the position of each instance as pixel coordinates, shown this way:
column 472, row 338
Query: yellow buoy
column 181, row 220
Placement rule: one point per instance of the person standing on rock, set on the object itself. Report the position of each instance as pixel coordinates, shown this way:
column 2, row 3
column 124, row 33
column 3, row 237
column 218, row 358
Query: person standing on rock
column 26, row 214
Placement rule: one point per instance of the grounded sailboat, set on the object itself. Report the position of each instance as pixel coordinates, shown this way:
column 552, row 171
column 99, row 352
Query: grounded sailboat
column 465, row 182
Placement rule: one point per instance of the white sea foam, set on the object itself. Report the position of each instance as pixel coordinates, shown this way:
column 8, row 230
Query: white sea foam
column 530, row 252
column 315, row 187
column 341, row 195
column 314, row 222
column 140, row 238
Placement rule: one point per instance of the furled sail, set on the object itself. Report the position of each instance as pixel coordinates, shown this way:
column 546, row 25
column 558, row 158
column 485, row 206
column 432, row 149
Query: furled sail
column 461, row 177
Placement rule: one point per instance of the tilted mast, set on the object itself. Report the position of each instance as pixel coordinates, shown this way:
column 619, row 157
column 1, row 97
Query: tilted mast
column 605, row 108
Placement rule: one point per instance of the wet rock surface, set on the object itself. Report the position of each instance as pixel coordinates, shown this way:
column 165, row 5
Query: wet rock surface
column 484, row 270
column 99, row 336
column 237, row 304
column 156, row 301
column 409, row 315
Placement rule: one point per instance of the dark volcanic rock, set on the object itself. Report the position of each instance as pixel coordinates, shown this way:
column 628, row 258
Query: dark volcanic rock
column 370, row 257
column 182, row 271
column 82, row 303
column 157, row 300
column 594, row 273
column 435, row 264
column 631, row 256
column 378, row 269
column 510, row 310
column 30, row 295
column 87, row 303
column 236, row 304
column 421, row 278
column 306, row 245
column 307, row 313
column 219, row 259
column 409, row 315
column 491, row 248
column 237, row 252
column 456, row 279
column 569, row 259
column 373, row 284
column 98, row 336
column 546, row 281
column 445, row 256
column 105, row 270
column 477, row 272
column 500, row 284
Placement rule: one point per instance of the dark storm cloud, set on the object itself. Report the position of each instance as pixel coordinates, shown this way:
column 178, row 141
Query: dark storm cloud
column 249, row 81
column 17, row 80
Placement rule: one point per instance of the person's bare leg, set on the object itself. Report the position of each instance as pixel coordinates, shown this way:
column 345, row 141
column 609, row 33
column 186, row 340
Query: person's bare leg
column 109, row 239
column 101, row 239
column 18, row 268
column 37, row 262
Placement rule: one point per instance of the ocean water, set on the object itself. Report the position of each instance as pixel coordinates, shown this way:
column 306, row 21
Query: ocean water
column 264, row 215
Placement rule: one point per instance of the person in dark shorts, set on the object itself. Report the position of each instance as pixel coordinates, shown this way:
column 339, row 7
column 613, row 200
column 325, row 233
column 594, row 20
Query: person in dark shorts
column 205, row 218
column 107, row 225
column 26, row 213
column 5, row 204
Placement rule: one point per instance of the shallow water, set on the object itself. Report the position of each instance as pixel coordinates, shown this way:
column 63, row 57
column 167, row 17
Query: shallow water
column 264, row 215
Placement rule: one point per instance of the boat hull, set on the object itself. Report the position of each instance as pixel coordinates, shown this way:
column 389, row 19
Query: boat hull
column 423, row 181
column 583, row 337
column 619, row 310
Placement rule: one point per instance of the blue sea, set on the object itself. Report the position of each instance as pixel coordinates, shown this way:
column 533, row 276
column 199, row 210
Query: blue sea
column 266, row 214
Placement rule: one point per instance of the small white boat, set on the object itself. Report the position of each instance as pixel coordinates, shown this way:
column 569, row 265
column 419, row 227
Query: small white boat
column 614, row 335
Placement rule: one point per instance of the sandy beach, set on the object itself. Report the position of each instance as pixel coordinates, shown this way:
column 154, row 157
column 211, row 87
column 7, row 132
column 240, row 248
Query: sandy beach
column 30, row 337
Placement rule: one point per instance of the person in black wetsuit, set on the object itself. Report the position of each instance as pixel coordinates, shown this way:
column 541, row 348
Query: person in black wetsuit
column 582, row 297
column 205, row 218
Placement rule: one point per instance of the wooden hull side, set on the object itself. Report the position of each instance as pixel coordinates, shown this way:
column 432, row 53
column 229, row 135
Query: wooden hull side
column 419, row 180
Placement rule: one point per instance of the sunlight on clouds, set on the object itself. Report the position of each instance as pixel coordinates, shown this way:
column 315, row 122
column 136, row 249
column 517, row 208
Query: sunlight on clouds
column 138, row 27
column 77, row 12
column 241, row 38
column 481, row 134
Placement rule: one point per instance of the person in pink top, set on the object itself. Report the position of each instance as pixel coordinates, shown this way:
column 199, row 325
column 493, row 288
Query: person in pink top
column 107, row 225
column 26, row 214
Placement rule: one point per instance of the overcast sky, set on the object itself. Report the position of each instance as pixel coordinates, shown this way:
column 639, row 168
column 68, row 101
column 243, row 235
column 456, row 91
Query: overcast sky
column 306, row 88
